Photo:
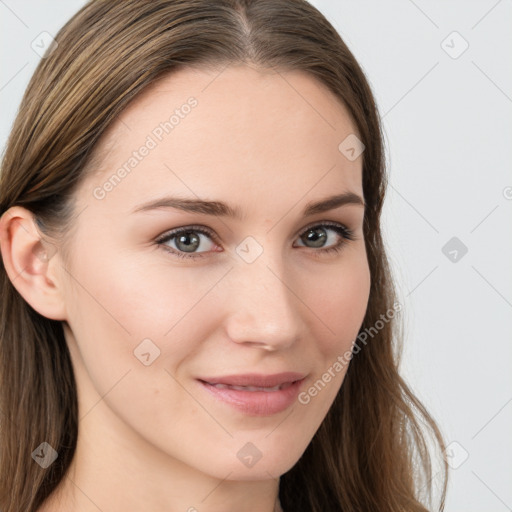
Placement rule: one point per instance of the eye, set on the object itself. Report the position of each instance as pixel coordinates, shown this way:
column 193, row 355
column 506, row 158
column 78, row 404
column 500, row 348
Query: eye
column 318, row 236
column 187, row 242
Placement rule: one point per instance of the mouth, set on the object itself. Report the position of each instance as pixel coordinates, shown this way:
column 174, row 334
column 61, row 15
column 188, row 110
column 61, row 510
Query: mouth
column 252, row 388
column 253, row 394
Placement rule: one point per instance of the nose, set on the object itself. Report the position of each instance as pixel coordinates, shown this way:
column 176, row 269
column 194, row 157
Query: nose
column 264, row 309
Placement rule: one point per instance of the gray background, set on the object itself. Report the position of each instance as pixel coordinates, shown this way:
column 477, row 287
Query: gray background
column 448, row 126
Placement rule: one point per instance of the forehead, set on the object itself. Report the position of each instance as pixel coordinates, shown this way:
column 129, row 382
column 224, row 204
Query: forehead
column 227, row 132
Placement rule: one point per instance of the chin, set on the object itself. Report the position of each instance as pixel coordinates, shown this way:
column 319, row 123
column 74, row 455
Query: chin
column 271, row 460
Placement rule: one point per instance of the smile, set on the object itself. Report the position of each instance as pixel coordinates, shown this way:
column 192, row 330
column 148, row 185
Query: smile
column 255, row 395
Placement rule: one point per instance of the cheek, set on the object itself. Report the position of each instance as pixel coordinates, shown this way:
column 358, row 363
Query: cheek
column 126, row 305
column 338, row 300
column 128, row 315
column 137, row 298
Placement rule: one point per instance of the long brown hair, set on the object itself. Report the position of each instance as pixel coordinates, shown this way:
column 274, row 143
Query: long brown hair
column 371, row 453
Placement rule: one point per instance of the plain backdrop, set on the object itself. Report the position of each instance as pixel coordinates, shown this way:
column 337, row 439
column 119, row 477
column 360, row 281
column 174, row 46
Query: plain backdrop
column 442, row 76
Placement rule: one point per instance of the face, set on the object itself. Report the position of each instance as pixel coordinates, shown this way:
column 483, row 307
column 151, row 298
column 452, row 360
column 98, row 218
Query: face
column 169, row 307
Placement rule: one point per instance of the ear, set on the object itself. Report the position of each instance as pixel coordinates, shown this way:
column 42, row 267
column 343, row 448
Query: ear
column 30, row 263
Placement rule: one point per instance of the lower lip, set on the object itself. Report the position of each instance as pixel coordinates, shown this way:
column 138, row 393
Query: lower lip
column 256, row 403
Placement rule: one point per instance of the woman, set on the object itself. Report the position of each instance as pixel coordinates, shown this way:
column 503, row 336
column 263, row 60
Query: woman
column 197, row 309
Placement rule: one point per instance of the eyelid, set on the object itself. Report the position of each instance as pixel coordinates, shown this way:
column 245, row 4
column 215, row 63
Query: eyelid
column 193, row 227
column 323, row 223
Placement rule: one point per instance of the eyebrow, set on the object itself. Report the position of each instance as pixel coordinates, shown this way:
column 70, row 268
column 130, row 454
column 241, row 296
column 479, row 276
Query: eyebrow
column 221, row 209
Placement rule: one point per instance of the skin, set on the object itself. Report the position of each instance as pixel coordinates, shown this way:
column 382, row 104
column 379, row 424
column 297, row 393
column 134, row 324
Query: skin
column 149, row 437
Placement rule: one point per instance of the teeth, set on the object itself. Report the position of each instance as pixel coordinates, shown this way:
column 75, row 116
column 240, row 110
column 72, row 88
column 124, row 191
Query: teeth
column 252, row 388
column 219, row 386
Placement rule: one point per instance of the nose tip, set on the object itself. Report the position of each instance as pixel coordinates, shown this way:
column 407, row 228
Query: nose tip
column 264, row 311
column 260, row 333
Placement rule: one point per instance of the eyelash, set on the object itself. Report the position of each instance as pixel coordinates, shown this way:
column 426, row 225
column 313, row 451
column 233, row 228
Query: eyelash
column 342, row 230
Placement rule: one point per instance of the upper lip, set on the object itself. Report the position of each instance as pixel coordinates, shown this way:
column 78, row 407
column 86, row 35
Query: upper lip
column 255, row 379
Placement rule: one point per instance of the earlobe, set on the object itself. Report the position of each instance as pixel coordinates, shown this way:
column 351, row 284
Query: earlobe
column 29, row 261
